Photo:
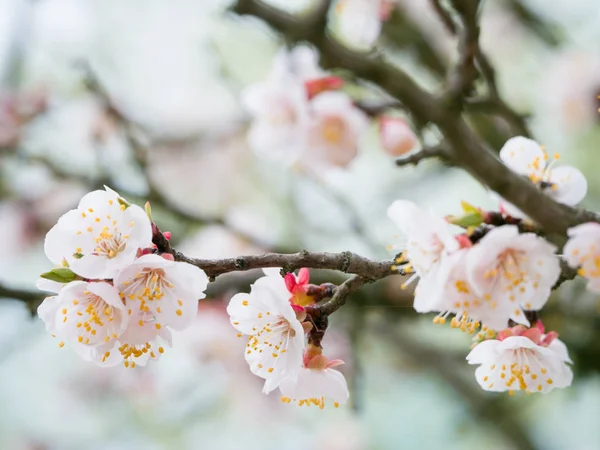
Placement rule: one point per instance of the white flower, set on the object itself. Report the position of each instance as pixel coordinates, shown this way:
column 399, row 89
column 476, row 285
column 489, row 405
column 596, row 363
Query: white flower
column 276, row 337
column 524, row 156
column 316, row 381
column 166, row 289
column 86, row 314
column 279, row 105
column 335, row 129
column 143, row 340
column 314, row 386
column 430, row 240
column 518, row 363
column 396, row 136
column 470, row 308
column 100, row 237
column 583, row 250
column 508, row 268
column 359, row 21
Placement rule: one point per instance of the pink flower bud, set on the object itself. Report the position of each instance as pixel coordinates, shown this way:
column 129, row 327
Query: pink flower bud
column 386, row 9
column 464, row 241
column 396, row 136
column 316, row 86
column 167, row 235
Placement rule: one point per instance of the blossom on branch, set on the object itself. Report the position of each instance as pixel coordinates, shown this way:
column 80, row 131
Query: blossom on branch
column 316, row 382
column 100, row 237
column 296, row 114
column 565, row 184
column 275, row 334
column 85, row 314
column 166, row 289
column 143, row 340
column 360, row 21
column 582, row 251
column 522, row 359
column 430, row 241
column 508, row 268
column 335, row 129
column 395, row 135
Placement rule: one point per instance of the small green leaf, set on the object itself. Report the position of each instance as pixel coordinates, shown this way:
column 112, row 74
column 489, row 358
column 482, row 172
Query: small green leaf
column 77, row 255
column 467, row 220
column 60, row 275
column 467, row 207
column 148, row 209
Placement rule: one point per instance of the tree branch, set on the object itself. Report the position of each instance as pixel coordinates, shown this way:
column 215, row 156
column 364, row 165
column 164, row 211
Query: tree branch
column 467, row 149
column 463, row 73
column 346, row 262
column 341, row 294
column 425, row 153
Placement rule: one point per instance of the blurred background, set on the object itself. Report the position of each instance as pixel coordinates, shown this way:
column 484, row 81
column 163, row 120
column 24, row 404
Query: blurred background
column 143, row 95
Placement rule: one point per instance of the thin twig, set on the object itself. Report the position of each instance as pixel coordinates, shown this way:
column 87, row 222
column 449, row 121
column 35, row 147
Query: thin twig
column 425, row 153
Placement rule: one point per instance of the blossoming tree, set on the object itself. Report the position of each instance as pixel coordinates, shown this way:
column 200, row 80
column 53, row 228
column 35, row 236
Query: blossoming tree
column 119, row 287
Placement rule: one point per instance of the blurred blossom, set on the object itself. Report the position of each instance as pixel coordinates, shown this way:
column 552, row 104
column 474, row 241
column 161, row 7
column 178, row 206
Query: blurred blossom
column 396, row 136
column 360, row 21
column 570, row 90
column 335, row 129
column 564, row 184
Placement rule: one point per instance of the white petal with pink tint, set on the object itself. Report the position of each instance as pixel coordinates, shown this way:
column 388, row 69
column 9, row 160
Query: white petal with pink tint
column 87, row 314
column 100, row 237
column 523, row 155
column 517, row 363
column 315, row 387
column 168, row 290
column 396, row 136
column 275, row 336
column 335, row 129
column 569, row 185
column 582, row 251
column 143, row 340
column 506, row 267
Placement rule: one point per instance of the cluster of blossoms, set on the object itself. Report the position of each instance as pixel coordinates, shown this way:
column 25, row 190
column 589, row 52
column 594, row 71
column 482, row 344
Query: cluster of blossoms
column 274, row 319
column 300, row 112
column 117, row 297
column 497, row 273
column 487, row 278
column 116, row 301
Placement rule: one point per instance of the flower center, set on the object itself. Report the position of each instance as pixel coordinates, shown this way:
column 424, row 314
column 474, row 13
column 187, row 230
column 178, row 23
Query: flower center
column 96, row 316
column 333, row 130
column 147, row 286
column 110, row 244
column 131, row 352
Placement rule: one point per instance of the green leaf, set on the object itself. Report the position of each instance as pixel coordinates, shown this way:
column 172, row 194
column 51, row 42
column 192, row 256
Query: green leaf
column 467, row 207
column 60, row 275
column 467, row 220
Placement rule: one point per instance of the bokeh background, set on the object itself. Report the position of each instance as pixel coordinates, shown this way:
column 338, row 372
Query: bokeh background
column 143, row 95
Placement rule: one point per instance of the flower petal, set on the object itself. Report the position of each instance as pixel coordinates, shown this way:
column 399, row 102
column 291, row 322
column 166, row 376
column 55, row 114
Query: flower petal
column 570, row 185
column 523, row 155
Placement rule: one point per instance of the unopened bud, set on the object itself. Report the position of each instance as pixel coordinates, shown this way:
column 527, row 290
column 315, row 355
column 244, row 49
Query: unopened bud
column 323, row 84
column 396, row 137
